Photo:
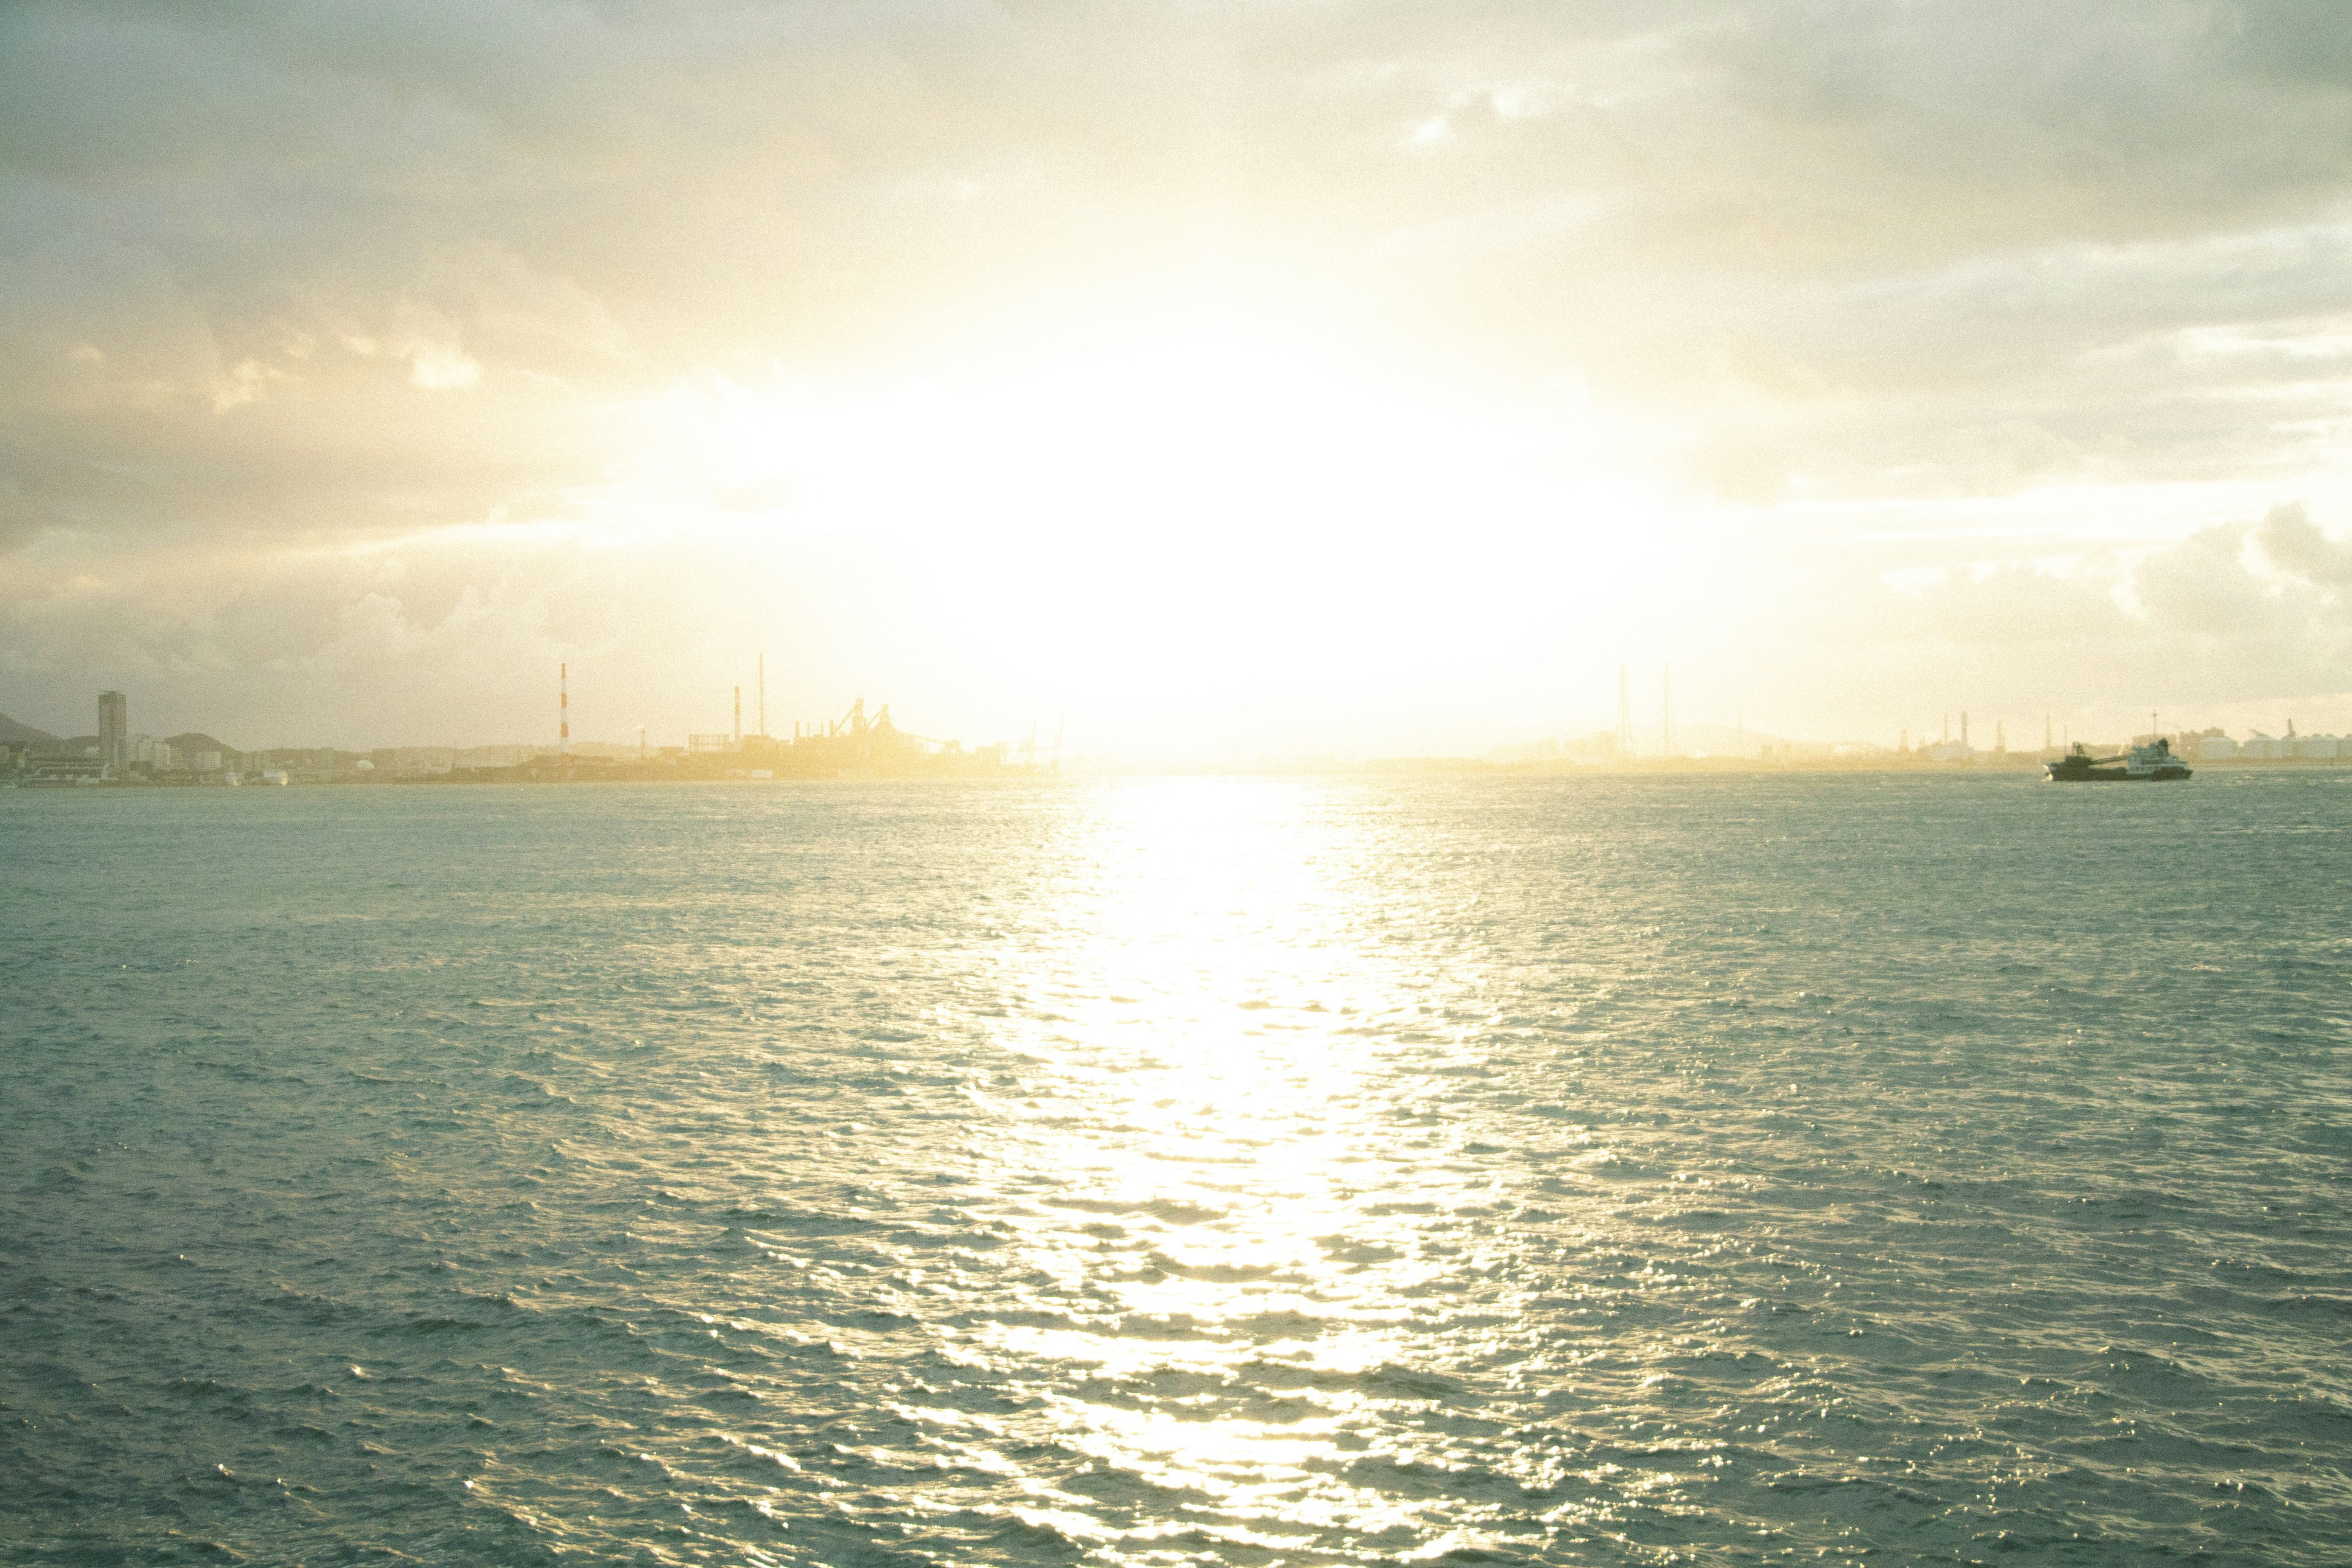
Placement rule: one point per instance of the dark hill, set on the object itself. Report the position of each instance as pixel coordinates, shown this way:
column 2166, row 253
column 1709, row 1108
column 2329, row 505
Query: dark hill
column 15, row 735
column 198, row 741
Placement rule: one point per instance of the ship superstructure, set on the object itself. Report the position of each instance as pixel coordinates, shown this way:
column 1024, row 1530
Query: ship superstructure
column 2152, row 762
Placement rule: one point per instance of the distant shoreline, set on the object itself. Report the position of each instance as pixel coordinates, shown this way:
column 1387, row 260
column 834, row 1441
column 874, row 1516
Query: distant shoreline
column 1386, row 768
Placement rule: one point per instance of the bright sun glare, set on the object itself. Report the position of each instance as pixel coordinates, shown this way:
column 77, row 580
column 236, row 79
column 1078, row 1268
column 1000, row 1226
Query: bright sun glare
column 1182, row 517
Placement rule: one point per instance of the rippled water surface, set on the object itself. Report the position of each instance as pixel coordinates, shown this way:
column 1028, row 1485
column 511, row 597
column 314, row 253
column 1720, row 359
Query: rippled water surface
column 1611, row 1171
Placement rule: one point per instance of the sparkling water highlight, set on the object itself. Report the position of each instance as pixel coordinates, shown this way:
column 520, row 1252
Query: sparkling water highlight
column 1624, row 1170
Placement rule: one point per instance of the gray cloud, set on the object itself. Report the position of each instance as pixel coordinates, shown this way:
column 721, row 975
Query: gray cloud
column 2292, row 541
column 295, row 273
column 2240, row 622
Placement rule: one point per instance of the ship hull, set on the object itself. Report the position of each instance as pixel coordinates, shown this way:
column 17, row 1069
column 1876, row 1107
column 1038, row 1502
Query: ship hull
column 2056, row 775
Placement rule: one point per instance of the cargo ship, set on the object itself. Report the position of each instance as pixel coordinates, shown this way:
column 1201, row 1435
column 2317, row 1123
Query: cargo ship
column 2152, row 761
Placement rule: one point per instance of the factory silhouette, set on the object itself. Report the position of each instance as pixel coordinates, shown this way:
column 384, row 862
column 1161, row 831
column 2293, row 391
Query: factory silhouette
column 859, row 744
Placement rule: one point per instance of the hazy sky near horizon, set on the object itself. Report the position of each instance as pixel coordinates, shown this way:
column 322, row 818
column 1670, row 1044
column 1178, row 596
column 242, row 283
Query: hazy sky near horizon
column 1287, row 376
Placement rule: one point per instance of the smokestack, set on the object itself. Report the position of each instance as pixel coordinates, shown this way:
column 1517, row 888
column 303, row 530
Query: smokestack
column 738, row 715
column 564, row 710
column 763, row 695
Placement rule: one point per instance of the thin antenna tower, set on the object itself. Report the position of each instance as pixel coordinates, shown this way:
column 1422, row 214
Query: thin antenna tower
column 763, row 694
column 1624, row 713
column 564, row 710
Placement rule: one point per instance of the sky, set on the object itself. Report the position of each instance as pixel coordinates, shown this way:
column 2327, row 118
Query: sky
column 1203, row 379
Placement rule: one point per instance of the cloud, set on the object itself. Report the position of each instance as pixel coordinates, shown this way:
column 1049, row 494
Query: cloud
column 293, row 278
column 2294, row 544
column 1914, row 204
column 456, row 635
column 2241, row 622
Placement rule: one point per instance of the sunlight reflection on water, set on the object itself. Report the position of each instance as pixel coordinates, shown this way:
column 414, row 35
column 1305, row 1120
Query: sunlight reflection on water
column 1635, row 1171
column 1215, row 984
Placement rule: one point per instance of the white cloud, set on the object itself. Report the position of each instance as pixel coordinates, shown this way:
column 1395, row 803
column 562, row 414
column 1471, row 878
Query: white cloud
column 309, row 278
column 441, row 367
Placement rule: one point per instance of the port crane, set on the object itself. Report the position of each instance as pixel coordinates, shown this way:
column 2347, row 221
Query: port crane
column 1029, row 746
column 855, row 726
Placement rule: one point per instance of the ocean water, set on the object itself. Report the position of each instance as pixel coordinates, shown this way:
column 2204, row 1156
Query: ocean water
column 1604, row 1171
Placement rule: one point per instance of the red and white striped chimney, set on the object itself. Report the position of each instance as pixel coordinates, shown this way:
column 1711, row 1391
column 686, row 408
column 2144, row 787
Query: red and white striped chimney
column 564, row 706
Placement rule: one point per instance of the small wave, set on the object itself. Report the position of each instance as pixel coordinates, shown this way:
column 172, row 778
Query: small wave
column 1175, row 1211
